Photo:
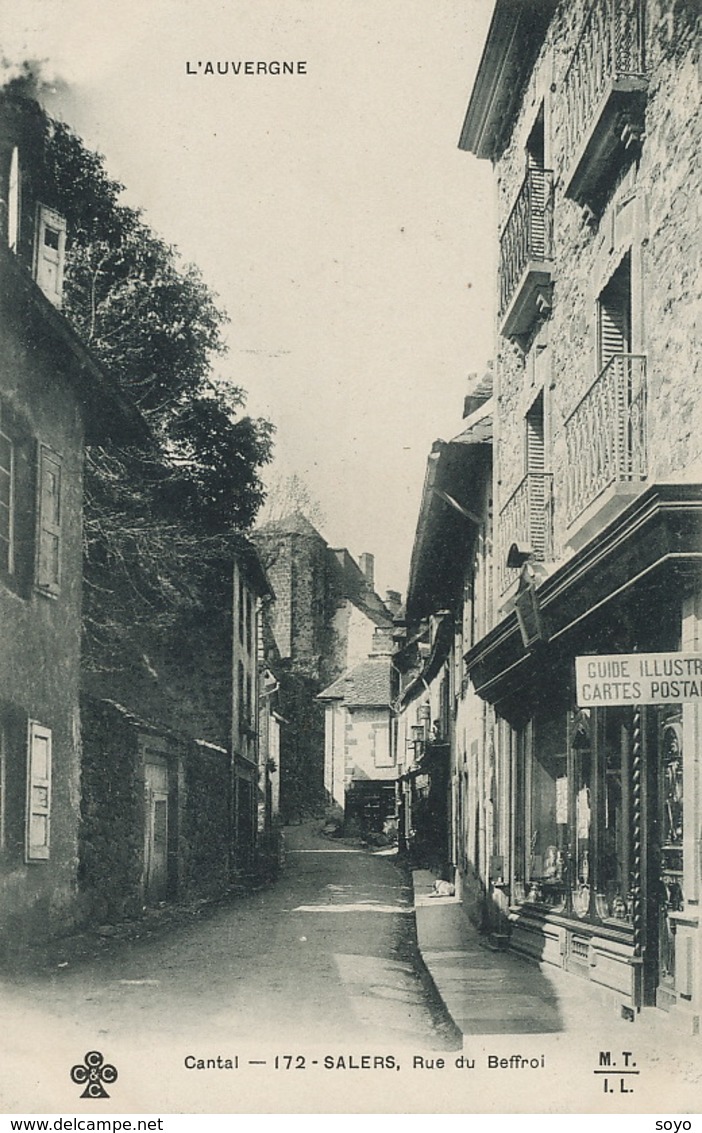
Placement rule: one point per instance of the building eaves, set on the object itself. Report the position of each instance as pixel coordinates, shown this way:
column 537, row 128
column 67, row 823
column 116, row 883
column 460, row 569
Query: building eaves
column 447, row 522
column 440, row 649
column 108, row 412
column 516, row 33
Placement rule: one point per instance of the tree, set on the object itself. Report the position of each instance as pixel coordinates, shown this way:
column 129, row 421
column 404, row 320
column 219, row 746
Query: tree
column 288, row 495
column 161, row 519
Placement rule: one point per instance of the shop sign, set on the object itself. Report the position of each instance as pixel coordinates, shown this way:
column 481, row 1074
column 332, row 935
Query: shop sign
column 638, row 678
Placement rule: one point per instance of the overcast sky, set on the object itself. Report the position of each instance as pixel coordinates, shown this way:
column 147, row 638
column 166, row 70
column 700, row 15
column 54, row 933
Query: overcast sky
column 347, row 236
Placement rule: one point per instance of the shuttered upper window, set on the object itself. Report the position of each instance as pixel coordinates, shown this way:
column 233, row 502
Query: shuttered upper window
column 50, row 253
column 614, row 315
column 49, row 534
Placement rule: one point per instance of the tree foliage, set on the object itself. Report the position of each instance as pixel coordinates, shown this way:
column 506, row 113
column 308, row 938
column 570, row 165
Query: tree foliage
column 157, row 521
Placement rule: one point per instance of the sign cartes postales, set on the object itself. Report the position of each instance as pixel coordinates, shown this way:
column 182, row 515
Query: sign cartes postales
column 638, row 678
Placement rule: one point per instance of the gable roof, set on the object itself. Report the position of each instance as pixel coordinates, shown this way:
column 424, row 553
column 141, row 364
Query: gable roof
column 366, row 685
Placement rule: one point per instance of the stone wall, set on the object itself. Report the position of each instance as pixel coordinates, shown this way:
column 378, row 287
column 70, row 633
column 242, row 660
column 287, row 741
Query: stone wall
column 112, row 827
column 653, row 212
column 206, row 812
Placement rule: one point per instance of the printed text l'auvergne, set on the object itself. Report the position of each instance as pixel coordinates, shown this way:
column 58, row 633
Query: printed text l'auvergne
column 246, row 67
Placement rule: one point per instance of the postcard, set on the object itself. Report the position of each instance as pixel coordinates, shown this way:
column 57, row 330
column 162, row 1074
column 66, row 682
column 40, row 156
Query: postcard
column 350, row 505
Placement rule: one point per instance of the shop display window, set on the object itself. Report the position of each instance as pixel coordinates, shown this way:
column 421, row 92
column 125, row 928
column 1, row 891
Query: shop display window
column 573, row 815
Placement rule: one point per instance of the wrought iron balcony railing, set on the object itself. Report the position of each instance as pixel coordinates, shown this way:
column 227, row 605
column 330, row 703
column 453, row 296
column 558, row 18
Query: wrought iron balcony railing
column 606, row 433
column 609, row 60
column 527, row 238
column 526, row 519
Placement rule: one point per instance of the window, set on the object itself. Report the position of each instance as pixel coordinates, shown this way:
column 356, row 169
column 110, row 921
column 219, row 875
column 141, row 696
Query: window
column 241, row 610
column 614, row 315
column 7, row 503
column 573, row 828
column 49, row 536
column 249, row 622
column 49, row 253
column 240, row 696
column 38, row 818
column 381, row 741
column 534, row 447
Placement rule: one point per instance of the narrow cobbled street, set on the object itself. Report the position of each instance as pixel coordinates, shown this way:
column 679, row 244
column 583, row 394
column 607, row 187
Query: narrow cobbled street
column 324, row 957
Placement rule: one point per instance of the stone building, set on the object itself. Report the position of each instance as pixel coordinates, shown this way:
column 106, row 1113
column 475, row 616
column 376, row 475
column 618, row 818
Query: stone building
column 587, row 811
column 53, row 400
column 360, row 737
column 322, row 622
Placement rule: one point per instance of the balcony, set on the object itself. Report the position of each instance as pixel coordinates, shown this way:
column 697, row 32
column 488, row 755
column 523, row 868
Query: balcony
column 526, row 249
column 606, row 443
column 605, row 92
column 526, row 519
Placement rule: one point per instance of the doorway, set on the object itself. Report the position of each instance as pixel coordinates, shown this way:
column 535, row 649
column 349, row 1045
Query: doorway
column 156, row 872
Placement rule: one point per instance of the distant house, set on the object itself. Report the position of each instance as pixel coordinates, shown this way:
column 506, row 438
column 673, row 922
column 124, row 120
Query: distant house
column 360, row 751
column 53, row 399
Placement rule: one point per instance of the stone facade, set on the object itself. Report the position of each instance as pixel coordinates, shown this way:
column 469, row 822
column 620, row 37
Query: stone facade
column 590, row 113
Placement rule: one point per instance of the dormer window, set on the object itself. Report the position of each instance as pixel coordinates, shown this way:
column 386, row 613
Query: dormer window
column 49, row 253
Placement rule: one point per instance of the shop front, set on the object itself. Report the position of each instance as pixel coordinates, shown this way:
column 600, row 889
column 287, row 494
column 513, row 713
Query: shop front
column 598, row 876
column 604, row 803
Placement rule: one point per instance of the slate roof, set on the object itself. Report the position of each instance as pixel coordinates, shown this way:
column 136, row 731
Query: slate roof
column 366, row 685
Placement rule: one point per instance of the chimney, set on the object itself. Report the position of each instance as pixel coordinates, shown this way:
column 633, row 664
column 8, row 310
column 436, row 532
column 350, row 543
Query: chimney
column 366, row 561
column 393, row 601
column 383, row 642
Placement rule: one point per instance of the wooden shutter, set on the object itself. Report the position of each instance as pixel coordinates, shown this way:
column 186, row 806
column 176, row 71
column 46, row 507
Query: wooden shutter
column 50, row 250
column 38, row 818
column 536, row 465
column 49, row 535
column 535, row 450
column 614, row 311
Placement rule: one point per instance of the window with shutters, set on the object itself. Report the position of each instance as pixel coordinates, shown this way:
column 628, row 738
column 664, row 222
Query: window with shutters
column 606, row 433
column 526, row 245
column 526, row 519
column 38, row 818
column 49, row 254
column 614, row 315
column 48, row 577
